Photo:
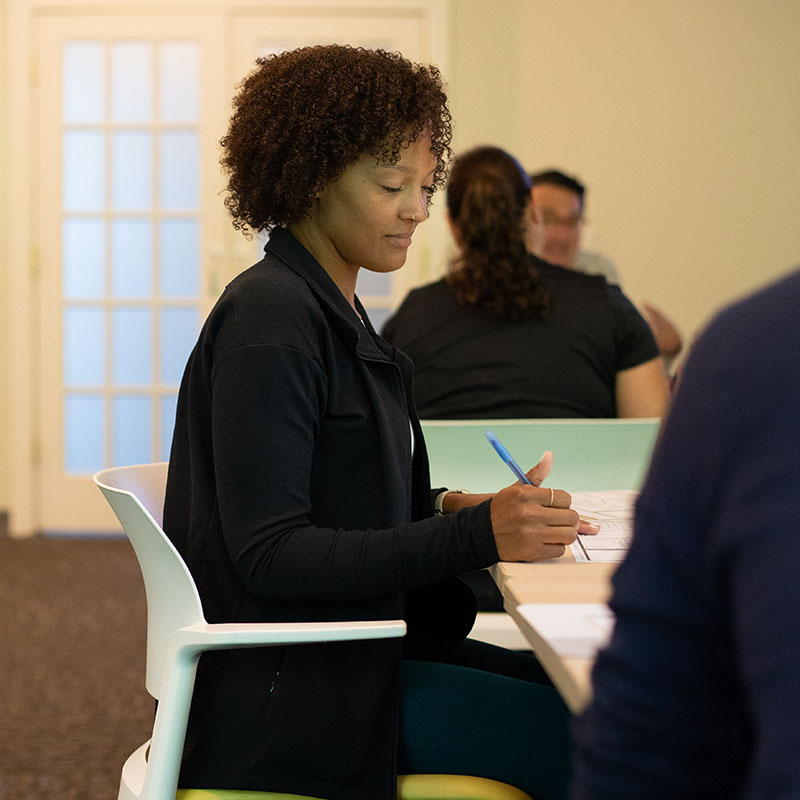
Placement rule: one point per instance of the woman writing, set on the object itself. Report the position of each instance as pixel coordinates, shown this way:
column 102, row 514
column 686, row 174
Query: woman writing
column 298, row 484
column 506, row 334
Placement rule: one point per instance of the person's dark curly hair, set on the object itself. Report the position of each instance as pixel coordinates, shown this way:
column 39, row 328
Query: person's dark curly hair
column 487, row 197
column 303, row 116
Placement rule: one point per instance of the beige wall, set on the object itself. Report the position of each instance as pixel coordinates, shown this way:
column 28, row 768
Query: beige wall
column 681, row 117
column 482, row 74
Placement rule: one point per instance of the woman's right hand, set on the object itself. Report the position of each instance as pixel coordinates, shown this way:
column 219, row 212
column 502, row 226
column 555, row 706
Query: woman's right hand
column 531, row 523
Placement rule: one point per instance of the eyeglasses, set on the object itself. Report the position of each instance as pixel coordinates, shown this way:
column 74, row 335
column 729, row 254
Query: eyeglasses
column 548, row 220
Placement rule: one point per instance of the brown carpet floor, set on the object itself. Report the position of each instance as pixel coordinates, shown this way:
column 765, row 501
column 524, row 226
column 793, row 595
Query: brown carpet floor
column 73, row 704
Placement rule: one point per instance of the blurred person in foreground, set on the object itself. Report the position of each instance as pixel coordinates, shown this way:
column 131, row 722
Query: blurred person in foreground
column 697, row 694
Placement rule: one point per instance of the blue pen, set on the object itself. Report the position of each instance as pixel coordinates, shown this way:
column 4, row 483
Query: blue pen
column 506, row 456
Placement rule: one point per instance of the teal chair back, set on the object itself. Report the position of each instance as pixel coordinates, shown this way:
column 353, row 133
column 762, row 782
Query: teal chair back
column 590, row 454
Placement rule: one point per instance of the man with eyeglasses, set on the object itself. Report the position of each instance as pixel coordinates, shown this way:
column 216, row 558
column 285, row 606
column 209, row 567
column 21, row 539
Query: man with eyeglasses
column 554, row 234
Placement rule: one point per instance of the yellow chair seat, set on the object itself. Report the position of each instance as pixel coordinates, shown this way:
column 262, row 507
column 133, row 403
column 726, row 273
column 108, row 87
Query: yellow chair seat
column 455, row 787
column 409, row 787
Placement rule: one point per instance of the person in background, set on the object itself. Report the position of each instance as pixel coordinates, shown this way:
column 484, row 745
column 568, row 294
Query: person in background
column 557, row 208
column 298, row 485
column 506, row 334
column 698, row 691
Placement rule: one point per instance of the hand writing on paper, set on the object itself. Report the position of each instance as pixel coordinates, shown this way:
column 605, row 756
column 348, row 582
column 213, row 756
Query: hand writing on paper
column 537, row 475
column 531, row 523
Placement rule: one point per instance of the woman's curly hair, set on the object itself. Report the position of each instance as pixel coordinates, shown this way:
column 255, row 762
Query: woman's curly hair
column 301, row 117
column 487, row 199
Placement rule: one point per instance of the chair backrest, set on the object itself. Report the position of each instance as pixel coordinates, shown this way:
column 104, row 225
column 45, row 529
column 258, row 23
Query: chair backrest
column 136, row 495
column 590, row 454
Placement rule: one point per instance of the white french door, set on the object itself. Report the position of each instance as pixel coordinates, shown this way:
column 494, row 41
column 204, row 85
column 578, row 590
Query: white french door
column 134, row 243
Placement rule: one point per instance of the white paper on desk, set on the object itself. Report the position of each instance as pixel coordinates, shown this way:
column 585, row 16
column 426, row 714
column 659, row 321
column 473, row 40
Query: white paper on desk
column 571, row 629
column 614, row 510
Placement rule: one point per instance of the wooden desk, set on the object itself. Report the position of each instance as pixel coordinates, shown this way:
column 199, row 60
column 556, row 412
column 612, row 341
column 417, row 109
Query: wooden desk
column 556, row 581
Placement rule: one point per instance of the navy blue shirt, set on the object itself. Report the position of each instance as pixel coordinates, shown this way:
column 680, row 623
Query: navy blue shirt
column 698, row 694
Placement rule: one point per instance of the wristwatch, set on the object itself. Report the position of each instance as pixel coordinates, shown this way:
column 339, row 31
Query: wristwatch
column 437, row 503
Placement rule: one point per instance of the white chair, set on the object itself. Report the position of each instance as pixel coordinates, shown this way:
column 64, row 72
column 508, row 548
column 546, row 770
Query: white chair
column 177, row 633
column 590, row 455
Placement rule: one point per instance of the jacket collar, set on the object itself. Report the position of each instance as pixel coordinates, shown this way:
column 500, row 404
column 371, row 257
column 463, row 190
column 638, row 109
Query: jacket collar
column 285, row 247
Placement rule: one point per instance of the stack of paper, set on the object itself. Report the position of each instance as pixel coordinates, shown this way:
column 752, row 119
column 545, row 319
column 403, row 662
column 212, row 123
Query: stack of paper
column 570, row 629
column 614, row 511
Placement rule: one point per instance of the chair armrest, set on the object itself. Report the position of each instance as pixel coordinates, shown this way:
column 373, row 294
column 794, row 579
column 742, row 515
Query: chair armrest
column 186, row 645
column 225, row 636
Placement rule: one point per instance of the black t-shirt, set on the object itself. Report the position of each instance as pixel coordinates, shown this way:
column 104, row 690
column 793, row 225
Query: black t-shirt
column 468, row 365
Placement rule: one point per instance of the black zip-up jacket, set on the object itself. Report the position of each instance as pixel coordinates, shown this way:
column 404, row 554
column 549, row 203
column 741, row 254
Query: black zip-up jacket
column 293, row 495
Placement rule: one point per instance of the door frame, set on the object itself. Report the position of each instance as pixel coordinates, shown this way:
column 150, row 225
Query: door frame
column 22, row 447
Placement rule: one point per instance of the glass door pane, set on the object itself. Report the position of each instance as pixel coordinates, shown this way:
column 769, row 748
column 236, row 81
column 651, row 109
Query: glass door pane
column 130, row 175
